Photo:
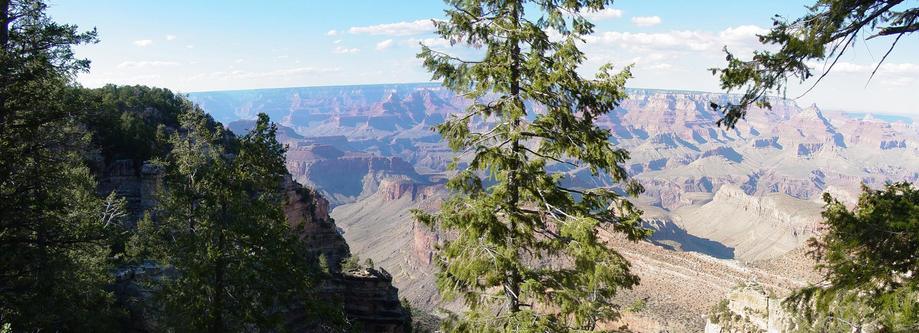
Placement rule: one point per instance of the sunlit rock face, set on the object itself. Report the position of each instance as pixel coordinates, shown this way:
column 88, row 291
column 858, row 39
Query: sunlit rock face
column 749, row 308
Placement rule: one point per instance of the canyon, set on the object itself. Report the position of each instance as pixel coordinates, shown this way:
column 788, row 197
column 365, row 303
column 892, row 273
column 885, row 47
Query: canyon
column 728, row 206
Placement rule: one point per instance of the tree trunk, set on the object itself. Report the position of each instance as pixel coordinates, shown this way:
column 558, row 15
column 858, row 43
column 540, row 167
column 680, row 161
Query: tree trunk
column 512, row 287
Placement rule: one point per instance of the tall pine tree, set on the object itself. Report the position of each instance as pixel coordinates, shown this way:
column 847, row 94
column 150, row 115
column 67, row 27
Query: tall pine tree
column 54, row 230
column 221, row 227
column 525, row 251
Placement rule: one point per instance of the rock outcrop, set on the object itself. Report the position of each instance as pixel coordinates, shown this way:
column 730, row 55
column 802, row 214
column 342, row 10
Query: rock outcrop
column 756, row 227
column 748, row 309
column 382, row 228
column 135, row 181
column 345, row 177
column 370, row 300
column 368, row 296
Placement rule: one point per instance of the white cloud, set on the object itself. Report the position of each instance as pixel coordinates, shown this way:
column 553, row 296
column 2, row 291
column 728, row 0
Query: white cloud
column 146, row 63
column 646, row 21
column 239, row 61
column 143, row 42
column 901, row 69
column 170, row 37
column 429, row 42
column 337, row 41
column 660, row 67
column 640, row 41
column 844, row 67
column 904, row 68
column 605, row 14
column 384, row 45
column 190, row 46
column 331, row 33
column 345, row 50
column 899, row 82
column 742, row 38
column 396, row 29
column 741, row 33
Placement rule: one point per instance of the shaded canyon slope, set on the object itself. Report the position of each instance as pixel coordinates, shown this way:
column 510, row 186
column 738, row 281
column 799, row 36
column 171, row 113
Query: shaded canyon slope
column 728, row 205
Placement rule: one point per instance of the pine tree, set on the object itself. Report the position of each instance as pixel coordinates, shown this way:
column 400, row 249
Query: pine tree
column 54, row 230
column 525, row 252
column 220, row 226
column 869, row 256
column 825, row 33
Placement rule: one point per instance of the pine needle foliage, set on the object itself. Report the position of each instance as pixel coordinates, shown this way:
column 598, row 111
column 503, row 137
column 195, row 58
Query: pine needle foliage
column 220, row 229
column 55, row 232
column 525, row 252
column 828, row 30
column 869, row 256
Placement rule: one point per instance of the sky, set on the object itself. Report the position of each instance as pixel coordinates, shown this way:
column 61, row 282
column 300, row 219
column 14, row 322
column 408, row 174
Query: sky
column 208, row 45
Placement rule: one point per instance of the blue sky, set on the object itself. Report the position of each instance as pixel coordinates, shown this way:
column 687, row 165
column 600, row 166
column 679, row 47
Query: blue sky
column 222, row 45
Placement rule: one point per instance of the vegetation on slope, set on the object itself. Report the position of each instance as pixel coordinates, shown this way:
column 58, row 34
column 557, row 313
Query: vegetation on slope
column 218, row 232
column 869, row 256
column 54, row 230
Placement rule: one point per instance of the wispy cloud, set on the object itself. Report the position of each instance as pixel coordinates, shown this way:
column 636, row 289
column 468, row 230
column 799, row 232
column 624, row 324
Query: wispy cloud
column 741, row 37
column 639, row 41
column 143, row 79
column 899, row 82
column 605, row 14
column 902, row 68
column 345, row 50
column 146, row 64
column 170, row 37
column 646, row 21
column 331, row 33
column 885, row 68
column 741, row 34
column 143, row 42
column 396, row 29
column 384, row 45
column 427, row 42
column 660, row 67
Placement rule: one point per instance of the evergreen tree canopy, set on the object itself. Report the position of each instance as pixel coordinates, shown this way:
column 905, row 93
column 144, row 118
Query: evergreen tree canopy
column 525, row 252
column 132, row 122
column 221, row 227
column 825, row 33
column 54, row 229
column 870, row 256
